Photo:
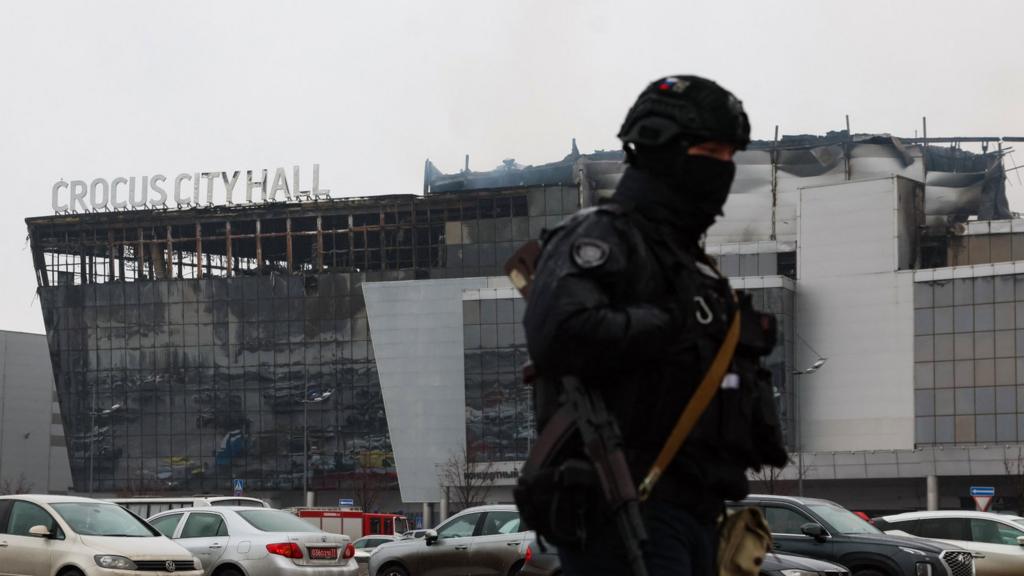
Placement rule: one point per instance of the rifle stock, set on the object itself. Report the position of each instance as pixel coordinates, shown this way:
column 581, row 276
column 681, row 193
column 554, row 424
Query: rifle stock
column 602, row 443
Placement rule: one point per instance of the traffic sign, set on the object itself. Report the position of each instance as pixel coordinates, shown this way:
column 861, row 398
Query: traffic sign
column 983, row 491
column 346, row 502
column 983, row 496
column 982, row 503
column 239, row 486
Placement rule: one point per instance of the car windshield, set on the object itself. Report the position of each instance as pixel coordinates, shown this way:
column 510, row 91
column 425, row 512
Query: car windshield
column 364, row 543
column 843, row 520
column 276, row 521
column 103, row 519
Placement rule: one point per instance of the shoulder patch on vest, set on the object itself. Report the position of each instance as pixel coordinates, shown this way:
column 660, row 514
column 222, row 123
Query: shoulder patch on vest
column 590, row 252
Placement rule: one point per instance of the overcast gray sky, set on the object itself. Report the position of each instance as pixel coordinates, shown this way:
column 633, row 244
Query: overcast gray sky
column 370, row 89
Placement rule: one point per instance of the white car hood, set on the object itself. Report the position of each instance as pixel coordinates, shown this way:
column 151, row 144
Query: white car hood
column 155, row 548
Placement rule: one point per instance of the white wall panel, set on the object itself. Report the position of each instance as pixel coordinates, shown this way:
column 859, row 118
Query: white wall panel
column 417, row 333
column 26, row 415
column 848, row 229
column 854, row 308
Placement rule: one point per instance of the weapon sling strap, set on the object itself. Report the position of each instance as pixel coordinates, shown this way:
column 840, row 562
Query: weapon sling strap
column 695, row 407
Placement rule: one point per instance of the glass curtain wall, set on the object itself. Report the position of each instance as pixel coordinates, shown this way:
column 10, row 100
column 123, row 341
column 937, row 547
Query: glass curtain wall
column 183, row 364
column 969, row 360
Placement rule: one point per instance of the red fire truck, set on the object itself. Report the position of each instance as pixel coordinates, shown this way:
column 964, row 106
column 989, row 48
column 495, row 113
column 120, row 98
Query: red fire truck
column 353, row 522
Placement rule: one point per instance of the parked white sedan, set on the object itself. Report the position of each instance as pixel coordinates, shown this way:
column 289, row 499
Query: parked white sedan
column 248, row 541
column 42, row 535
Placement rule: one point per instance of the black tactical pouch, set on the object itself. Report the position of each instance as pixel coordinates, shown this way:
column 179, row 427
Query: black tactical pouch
column 559, row 502
column 758, row 333
column 766, row 429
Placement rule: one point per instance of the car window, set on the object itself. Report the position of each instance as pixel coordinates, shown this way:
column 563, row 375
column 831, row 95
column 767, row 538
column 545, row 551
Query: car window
column 268, row 520
column 202, row 525
column 166, row 524
column 25, row 515
column 841, row 519
column 500, row 523
column 908, row 526
column 992, row 532
column 944, row 528
column 459, row 527
column 103, row 519
column 784, row 520
column 5, row 507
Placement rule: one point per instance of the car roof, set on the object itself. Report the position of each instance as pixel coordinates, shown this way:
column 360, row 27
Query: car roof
column 52, row 498
column 950, row 514
column 791, row 499
column 211, row 509
column 490, row 508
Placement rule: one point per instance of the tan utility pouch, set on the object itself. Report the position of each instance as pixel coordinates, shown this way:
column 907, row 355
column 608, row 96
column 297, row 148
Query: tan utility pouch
column 744, row 540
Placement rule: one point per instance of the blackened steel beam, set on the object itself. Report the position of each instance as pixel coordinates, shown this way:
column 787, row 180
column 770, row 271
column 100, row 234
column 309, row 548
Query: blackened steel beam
column 199, row 251
column 111, row 274
column 288, row 244
column 140, row 255
column 319, row 244
column 170, row 254
column 259, row 249
column 227, row 245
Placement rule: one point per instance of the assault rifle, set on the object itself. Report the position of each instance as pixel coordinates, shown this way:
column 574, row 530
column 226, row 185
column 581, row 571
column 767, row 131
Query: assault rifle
column 584, row 412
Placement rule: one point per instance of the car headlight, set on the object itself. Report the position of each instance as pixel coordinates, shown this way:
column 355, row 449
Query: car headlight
column 114, row 562
column 913, row 551
column 797, row 572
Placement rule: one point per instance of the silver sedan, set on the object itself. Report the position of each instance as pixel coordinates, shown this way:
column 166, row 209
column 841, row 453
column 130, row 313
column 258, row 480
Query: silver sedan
column 248, row 541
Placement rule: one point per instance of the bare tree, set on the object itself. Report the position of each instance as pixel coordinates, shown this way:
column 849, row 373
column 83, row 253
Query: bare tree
column 466, row 482
column 769, row 477
column 20, row 485
column 1015, row 474
column 366, row 484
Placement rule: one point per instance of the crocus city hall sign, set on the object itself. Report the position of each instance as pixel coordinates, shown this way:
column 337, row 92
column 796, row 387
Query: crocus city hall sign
column 186, row 189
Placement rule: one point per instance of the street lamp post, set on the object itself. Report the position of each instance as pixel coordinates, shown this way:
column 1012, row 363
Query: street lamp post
column 306, row 401
column 92, row 432
column 799, row 428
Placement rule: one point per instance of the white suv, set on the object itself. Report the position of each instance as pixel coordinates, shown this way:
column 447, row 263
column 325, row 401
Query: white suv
column 997, row 540
column 43, row 535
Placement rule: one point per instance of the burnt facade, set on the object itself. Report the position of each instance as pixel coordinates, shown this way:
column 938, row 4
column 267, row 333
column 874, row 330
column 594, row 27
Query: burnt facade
column 190, row 347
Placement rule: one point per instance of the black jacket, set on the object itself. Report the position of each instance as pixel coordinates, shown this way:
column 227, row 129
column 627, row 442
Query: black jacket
column 621, row 300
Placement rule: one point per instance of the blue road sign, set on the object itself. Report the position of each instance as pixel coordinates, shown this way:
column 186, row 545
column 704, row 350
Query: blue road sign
column 983, row 491
column 346, row 502
column 239, row 486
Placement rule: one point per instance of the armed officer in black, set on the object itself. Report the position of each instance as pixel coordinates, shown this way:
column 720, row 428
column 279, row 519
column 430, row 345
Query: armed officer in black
column 625, row 298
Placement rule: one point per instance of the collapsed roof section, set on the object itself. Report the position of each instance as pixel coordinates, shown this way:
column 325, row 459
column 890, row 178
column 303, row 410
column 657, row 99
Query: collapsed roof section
column 959, row 184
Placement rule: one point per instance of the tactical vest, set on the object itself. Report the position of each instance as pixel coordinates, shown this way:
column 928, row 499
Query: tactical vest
column 740, row 429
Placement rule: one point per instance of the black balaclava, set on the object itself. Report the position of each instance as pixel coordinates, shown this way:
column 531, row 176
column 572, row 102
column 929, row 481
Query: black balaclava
column 664, row 182
column 686, row 192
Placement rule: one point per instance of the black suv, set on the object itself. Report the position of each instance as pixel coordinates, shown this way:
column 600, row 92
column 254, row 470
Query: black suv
column 825, row 530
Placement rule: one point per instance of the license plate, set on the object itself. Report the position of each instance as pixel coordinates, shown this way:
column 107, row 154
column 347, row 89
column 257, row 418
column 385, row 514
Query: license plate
column 323, row 553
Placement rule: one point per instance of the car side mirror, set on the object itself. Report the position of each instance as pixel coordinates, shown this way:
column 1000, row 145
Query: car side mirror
column 430, row 536
column 814, row 530
column 40, row 531
column 1020, row 540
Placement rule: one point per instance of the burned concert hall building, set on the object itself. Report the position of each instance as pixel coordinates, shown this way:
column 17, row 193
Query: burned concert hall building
column 320, row 341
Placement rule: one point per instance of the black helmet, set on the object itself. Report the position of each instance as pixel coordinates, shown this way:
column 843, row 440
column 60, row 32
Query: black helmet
column 692, row 107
